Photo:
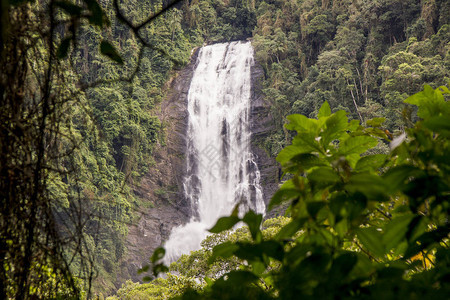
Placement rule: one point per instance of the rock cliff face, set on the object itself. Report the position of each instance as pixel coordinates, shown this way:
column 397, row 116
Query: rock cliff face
column 162, row 187
column 261, row 125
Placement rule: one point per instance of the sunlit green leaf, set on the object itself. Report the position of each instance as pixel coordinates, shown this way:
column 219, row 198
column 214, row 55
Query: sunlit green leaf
column 301, row 123
column 357, row 145
column 336, row 125
column 324, row 110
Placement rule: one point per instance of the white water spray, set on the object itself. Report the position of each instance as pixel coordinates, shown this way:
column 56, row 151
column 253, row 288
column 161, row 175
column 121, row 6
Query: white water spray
column 221, row 171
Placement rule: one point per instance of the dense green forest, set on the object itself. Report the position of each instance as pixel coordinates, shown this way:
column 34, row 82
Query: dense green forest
column 80, row 90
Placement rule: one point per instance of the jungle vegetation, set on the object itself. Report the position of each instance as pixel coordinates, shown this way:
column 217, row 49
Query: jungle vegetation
column 80, row 82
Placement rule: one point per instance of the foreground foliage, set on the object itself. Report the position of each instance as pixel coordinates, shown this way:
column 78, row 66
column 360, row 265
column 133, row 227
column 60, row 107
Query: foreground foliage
column 362, row 225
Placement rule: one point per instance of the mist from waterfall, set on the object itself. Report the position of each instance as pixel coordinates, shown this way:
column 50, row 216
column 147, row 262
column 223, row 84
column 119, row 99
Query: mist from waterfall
column 221, row 171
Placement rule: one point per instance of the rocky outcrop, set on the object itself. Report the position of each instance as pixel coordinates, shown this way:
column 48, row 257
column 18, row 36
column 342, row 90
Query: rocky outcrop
column 262, row 125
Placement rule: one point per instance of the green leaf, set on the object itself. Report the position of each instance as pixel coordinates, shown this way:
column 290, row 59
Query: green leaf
column 254, row 223
column 224, row 223
column 305, row 161
column 70, row 8
column 324, row 110
column 416, row 228
column 342, row 266
column 371, row 162
column 290, row 229
column 372, row 186
column 430, row 102
column 288, row 153
column 287, row 192
column 224, row 250
column 336, row 125
column 439, row 124
column 107, row 49
column 348, row 205
column 372, row 240
column 258, row 267
column 63, row 48
column 399, row 176
column 314, row 208
column 395, row 231
column 357, row 145
column 323, row 176
column 300, row 123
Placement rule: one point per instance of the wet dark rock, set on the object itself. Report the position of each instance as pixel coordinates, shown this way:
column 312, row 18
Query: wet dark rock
column 262, row 125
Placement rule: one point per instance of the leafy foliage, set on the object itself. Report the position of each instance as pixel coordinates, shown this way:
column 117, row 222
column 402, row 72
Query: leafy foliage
column 365, row 226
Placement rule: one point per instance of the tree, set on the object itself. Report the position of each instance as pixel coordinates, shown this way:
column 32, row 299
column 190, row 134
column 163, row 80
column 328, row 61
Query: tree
column 54, row 190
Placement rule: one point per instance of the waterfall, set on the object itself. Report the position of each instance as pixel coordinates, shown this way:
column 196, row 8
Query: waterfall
column 221, row 171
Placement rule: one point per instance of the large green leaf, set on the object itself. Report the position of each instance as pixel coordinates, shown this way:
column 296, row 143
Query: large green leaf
column 253, row 221
column 323, row 176
column 324, row 110
column 430, row 102
column 341, row 267
column 372, row 240
column 372, row 186
column 395, row 231
column 291, row 151
column 336, row 125
column 371, row 162
column 224, row 223
column 399, row 176
column 287, row 192
column 439, row 124
column 357, row 145
column 305, row 161
column 300, row 123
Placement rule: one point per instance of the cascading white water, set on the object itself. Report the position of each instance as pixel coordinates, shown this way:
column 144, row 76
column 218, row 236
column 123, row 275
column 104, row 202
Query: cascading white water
column 221, row 171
